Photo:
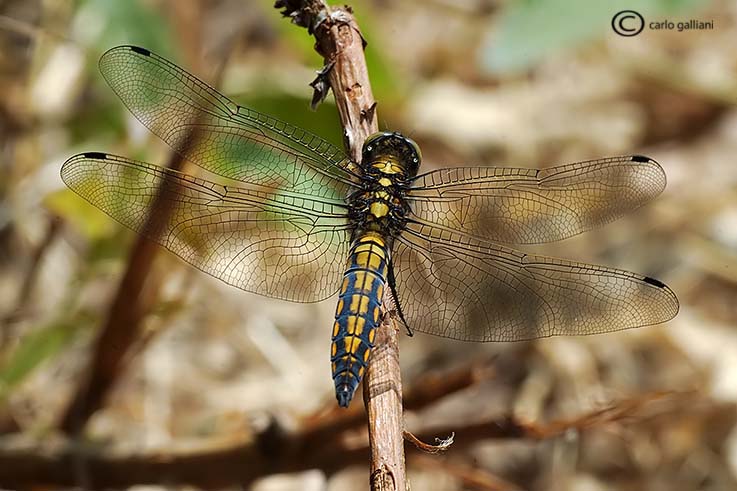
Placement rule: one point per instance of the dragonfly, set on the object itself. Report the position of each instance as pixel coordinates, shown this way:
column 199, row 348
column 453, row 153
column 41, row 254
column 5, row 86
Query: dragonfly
column 286, row 214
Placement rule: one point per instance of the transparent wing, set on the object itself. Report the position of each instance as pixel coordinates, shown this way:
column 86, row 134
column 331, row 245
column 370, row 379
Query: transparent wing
column 453, row 285
column 229, row 140
column 275, row 243
column 526, row 206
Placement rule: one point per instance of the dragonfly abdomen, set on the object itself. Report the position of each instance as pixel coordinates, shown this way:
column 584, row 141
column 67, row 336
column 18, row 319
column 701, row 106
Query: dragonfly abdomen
column 358, row 313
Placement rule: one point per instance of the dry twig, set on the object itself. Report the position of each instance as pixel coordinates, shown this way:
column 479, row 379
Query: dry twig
column 340, row 43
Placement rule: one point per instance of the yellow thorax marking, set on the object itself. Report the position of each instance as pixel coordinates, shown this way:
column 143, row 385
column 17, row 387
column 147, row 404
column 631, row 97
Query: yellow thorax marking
column 385, row 181
column 387, row 165
column 378, row 209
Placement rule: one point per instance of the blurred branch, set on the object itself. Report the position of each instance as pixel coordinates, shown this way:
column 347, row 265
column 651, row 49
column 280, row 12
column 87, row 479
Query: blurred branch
column 29, row 30
column 123, row 325
column 133, row 299
column 511, row 427
column 29, row 280
column 433, row 386
column 275, row 451
column 473, row 478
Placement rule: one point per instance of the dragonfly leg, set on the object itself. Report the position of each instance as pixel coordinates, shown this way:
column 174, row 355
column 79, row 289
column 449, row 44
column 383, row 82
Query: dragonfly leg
column 397, row 305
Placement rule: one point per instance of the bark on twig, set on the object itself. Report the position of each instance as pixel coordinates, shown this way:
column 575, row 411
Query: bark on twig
column 340, row 43
column 382, row 392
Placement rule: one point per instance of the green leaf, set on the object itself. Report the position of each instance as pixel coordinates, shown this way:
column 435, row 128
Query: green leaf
column 34, row 349
column 130, row 22
column 93, row 223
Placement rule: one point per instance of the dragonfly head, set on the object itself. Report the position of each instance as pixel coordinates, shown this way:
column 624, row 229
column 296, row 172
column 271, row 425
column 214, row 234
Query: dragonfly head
column 391, row 153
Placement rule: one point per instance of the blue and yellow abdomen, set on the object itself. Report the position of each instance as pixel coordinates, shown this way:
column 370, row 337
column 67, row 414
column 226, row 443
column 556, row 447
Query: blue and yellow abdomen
column 358, row 313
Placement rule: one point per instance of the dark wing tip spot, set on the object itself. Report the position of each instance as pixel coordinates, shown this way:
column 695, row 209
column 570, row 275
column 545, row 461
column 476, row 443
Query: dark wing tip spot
column 95, row 155
column 641, row 158
column 654, row 282
column 140, row 51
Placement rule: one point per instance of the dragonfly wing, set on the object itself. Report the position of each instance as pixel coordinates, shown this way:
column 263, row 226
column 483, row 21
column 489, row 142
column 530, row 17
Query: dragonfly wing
column 217, row 134
column 275, row 243
column 453, row 285
column 526, row 206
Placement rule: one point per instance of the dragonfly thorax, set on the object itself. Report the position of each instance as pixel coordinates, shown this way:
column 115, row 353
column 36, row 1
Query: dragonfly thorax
column 389, row 161
column 379, row 208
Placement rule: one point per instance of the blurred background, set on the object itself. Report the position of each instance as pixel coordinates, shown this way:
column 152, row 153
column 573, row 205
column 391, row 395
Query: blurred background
column 474, row 82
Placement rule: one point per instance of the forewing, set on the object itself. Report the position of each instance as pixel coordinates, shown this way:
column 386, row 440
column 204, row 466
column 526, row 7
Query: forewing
column 217, row 134
column 453, row 285
column 280, row 244
column 526, row 206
